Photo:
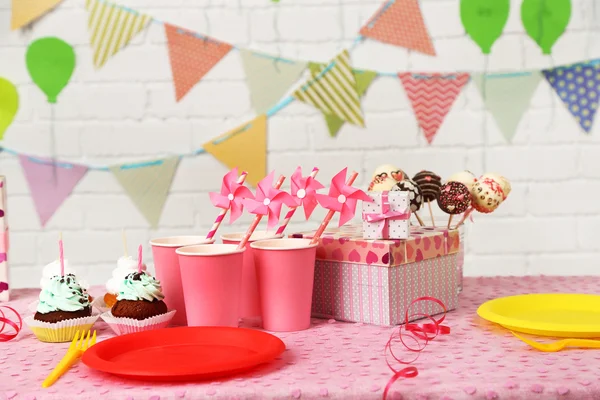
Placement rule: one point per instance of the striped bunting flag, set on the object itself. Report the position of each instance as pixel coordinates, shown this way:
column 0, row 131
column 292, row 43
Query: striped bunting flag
column 432, row 96
column 332, row 89
column 147, row 184
column 112, row 28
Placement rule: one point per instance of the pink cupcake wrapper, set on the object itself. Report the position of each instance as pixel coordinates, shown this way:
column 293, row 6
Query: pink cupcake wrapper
column 123, row 326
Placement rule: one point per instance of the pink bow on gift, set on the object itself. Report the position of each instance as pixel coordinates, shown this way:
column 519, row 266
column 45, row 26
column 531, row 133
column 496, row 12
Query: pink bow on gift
column 231, row 195
column 268, row 200
column 342, row 198
column 304, row 190
column 385, row 213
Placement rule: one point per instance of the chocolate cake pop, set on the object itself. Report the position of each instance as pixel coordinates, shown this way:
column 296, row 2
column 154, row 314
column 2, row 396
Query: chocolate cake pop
column 414, row 193
column 454, row 198
column 467, row 178
column 429, row 183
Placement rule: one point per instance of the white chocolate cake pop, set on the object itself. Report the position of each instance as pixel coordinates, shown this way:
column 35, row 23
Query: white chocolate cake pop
column 504, row 183
column 386, row 171
column 487, row 195
column 382, row 185
column 467, row 178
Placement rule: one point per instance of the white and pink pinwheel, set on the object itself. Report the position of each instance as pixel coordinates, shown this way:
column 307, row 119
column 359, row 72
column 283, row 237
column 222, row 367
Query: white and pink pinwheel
column 342, row 198
column 231, row 195
column 304, row 190
column 268, row 200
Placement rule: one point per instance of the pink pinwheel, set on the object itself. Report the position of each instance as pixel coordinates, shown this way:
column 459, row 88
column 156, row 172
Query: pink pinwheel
column 231, row 195
column 342, row 198
column 304, row 190
column 268, row 200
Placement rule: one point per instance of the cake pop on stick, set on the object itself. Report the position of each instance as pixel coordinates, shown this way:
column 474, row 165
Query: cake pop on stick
column 383, row 172
column 467, row 178
column 430, row 185
column 414, row 195
column 454, row 198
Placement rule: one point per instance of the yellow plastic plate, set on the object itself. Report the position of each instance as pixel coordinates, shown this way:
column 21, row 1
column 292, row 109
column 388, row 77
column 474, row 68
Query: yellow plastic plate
column 557, row 315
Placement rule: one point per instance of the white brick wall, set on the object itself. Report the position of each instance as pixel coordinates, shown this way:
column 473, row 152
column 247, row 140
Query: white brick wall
column 127, row 111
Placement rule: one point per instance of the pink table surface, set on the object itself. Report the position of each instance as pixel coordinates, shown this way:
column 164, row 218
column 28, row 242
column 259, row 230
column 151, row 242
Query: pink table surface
column 345, row 361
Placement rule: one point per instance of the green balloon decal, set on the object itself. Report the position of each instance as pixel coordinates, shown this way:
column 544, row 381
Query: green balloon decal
column 484, row 20
column 50, row 62
column 9, row 104
column 545, row 21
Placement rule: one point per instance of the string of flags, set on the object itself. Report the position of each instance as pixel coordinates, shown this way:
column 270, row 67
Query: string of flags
column 334, row 88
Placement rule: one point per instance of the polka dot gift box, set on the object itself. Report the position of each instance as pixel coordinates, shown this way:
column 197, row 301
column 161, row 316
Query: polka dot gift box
column 3, row 243
column 374, row 281
column 387, row 216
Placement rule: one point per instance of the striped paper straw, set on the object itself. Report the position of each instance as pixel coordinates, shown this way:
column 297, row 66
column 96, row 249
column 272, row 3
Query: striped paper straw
column 256, row 221
column 223, row 212
column 292, row 210
column 330, row 214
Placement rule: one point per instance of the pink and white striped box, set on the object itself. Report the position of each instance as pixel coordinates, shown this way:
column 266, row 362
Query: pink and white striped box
column 380, row 293
column 4, row 283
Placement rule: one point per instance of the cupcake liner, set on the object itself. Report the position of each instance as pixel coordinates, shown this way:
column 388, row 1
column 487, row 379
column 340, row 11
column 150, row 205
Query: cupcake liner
column 62, row 331
column 100, row 305
column 123, row 326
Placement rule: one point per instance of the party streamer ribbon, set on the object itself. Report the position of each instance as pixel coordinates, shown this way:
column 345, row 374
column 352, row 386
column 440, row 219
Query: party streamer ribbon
column 421, row 334
column 5, row 337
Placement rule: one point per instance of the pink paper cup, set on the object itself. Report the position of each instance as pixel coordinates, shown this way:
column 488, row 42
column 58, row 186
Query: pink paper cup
column 249, row 302
column 166, row 264
column 285, row 270
column 212, row 279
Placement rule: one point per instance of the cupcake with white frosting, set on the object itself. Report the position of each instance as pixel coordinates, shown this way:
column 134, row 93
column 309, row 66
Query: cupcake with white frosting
column 139, row 305
column 125, row 266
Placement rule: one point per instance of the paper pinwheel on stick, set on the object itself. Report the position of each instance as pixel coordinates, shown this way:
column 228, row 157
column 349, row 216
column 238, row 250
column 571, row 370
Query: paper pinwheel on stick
column 303, row 191
column 230, row 197
column 342, row 197
column 269, row 200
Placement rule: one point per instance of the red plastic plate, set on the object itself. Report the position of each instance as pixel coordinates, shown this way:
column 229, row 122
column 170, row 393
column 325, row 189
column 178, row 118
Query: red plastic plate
column 187, row 353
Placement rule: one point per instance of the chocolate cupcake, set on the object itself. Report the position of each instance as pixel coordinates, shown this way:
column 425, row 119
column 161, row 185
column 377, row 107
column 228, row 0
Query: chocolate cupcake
column 140, row 297
column 62, row 298
column 455, row 198
column 414, row 193
column 429, row 183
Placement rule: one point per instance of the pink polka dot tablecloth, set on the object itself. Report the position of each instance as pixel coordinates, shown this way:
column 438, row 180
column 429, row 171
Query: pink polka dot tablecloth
column 339, row 360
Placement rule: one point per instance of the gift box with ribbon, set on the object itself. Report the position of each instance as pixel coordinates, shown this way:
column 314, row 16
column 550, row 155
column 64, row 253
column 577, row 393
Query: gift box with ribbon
column 387, row 216
column 4, row 288
column 374, row 281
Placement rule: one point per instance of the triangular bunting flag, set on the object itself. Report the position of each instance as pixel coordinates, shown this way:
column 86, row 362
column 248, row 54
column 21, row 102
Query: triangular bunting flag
column 399, row 22
column 363, row 81
column 507, row 98
column 332, row 89
column 26, row 11
column 244, row 147
column 147, row 184
column 268, row 79
column 578, row 86
column 50, row 184
column 432, row 96
column 112, row 28
column 191, row 56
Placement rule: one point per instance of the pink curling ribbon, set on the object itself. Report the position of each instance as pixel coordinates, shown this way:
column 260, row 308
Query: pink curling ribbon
column 421, row 334
column 17, row 326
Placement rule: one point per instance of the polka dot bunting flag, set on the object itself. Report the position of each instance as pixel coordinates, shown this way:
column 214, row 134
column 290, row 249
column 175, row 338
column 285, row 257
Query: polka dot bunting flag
column 578, row 86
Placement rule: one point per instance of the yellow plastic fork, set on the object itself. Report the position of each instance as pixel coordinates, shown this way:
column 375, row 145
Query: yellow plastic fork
column 76, row 349
column 561, row 344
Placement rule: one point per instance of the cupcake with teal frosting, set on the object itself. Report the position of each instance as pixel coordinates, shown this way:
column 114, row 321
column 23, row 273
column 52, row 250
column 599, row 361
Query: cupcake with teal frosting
column 63, row 309
column 139, row 305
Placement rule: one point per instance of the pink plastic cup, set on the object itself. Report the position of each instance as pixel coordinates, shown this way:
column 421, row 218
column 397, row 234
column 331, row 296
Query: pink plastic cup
column 212, row 279
column 285, row 270
column 166, row 264
column 249, row 302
